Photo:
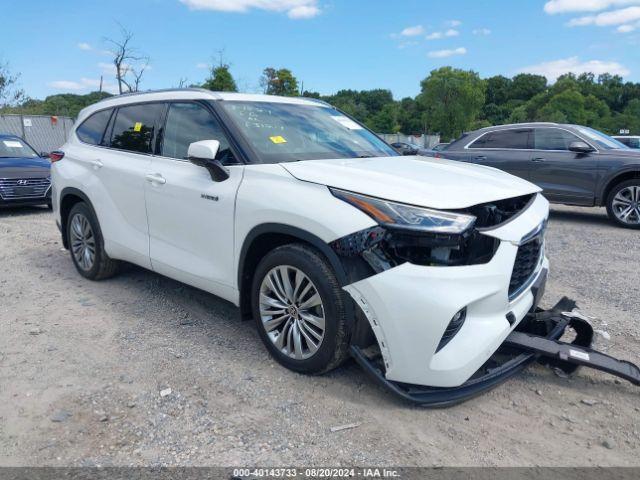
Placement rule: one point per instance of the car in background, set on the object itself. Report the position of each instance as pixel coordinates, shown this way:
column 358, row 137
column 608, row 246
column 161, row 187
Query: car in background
column 25, row 176
column 631, row 141
column 439, row 146
column 404, row 148
column 574, row 165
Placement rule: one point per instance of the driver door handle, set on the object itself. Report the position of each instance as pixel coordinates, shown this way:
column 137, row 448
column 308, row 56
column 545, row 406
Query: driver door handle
column 155, row 178
column 480, row 158
column 537, row 159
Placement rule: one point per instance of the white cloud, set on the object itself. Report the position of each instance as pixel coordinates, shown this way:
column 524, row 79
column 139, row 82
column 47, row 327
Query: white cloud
column 203, row 66
column 481, row 31
column 109, row 68
column 83, row 85
column 447, row 53
column 412, row 31
column 295, row 9
column 451, row 33
column 607, row 19
column 553, row 69
column 626, row 28
column 84, row 46
column 553, row 7
column 454, row 23
column 434, row 36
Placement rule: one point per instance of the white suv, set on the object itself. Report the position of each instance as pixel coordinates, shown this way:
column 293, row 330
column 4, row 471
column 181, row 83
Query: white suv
column 309, row 223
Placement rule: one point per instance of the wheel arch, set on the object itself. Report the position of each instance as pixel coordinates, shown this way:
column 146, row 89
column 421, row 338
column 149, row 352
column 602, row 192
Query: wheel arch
column 264, row 238
column 618, row 178
column 69, row 197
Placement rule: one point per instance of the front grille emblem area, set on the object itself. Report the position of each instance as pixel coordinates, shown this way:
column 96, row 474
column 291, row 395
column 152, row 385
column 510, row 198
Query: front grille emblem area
column 22, row 183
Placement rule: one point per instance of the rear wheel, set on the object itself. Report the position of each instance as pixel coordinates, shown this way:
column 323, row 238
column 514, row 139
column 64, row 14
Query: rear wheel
column 623, row 204
column 299, row 309
column 86, row 244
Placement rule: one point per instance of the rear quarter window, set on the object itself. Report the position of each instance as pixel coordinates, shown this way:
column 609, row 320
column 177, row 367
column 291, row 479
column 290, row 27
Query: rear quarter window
column 91, row 131
column 514, row 139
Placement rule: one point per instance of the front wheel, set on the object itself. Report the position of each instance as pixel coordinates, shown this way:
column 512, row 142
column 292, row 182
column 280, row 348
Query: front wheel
column 623, row 204
column 299, row 309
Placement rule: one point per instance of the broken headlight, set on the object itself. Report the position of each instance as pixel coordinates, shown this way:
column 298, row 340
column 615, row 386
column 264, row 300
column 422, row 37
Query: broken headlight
column 407, row 217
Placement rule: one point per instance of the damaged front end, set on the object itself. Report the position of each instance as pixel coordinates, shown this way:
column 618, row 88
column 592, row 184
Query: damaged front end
column 537, row 338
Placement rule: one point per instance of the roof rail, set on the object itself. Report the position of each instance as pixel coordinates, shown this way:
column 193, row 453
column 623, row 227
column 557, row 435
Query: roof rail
column 162, row 90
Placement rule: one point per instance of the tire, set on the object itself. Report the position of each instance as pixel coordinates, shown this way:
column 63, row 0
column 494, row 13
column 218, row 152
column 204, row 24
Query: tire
column 101, row 266
column 332, row 348
column 625, row 193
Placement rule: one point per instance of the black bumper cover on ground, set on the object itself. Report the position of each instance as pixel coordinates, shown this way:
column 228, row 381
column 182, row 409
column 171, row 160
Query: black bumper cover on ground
column 535, row 339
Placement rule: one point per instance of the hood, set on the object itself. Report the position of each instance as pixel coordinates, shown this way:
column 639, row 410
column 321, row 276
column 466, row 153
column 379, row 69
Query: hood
column 631, row 154
column 25, row 167
column 422, row 181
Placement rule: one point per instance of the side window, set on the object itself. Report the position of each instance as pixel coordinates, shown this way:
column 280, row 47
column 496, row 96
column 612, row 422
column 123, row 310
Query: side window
column 188, row 123
column 553, row 139
column 510, row 139
column 134, row 127
column 482, row 141
column 91, row 131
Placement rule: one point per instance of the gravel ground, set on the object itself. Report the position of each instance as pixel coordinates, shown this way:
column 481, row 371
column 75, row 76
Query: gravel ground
column 86, row 368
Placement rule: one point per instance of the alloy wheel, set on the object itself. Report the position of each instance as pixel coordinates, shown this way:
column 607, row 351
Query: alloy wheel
column 626, row 205
column 83, row 242
column 292, row 312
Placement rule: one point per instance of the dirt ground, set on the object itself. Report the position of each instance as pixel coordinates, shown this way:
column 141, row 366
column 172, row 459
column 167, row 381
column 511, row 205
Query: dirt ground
column 83, row 365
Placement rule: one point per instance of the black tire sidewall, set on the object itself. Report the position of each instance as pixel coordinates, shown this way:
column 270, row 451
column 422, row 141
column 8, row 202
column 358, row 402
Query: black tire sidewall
column 83, row 209
column 317, row 269
column 612, row 194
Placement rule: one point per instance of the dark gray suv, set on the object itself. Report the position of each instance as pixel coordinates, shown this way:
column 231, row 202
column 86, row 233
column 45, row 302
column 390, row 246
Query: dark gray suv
column 574, row 165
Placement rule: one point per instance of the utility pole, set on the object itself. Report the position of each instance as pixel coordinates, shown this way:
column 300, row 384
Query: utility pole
column 100, row 84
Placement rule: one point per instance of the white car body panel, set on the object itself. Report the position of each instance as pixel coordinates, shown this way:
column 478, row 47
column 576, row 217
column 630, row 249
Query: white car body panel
column 193, row 229
column 423, row 181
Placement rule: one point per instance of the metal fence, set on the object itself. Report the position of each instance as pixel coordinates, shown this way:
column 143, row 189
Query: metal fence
column 426, row 141
column 42, row 132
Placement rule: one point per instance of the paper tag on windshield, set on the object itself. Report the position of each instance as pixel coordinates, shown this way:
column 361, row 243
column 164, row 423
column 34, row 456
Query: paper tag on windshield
column 12, row 144
column 277, row 139
column 346, row 122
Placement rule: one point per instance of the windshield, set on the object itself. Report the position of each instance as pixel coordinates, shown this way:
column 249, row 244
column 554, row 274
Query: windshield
column 282, row 132
column 15, row 148
column 603, row 141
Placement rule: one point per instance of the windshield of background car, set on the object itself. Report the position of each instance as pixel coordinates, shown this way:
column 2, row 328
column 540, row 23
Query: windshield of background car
column 601, row 140
column 15, row 148
column 284, row 132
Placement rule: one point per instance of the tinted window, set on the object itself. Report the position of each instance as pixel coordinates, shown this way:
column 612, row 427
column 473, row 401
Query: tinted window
column 188, row 123
column 630, row 142
column 513, row 139
column 553, row 139
column 134, row 127
column 92, row 129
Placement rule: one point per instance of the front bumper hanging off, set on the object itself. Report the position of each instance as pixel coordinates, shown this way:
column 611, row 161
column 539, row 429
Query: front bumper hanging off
column 537, row 338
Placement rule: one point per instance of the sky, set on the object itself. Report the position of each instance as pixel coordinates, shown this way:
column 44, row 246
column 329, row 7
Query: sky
column 61, row 47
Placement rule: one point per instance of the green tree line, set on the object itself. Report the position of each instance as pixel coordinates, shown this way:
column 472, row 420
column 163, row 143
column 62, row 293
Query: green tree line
column 450, row 101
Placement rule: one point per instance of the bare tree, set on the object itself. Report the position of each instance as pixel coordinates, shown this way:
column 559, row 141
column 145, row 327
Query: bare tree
column 10, row 94
column 130, row 65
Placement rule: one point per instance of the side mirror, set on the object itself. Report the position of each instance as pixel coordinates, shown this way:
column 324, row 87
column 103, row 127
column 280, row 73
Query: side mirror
column 580, row 147
column 203, row 154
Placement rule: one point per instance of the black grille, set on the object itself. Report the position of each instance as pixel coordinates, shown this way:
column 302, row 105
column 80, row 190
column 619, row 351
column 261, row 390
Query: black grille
column 14, row 188
column 490, row 215
column 525, row 265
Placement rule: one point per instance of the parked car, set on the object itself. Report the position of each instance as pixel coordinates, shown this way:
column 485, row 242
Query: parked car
column 630, row 141
column 311, row 224
column 439, row 146
column 404, row 148
column 25, row 176
column 574, row 165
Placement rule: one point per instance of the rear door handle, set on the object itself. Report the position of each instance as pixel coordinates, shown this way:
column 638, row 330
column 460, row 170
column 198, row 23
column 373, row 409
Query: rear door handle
column 96, row 163
column 480, row 158
column 537, row 159
column 155, row 178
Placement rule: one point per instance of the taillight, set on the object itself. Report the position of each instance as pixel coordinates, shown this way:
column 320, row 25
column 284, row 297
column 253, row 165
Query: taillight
column 437, row 155
column 56, row 156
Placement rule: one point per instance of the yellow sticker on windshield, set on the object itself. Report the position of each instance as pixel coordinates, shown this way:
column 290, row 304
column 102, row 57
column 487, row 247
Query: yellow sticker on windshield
column 137, row 127
column 278, row 139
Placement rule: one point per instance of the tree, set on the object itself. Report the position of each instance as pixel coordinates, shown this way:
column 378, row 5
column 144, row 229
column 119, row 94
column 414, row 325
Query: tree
column 220, row 80
column 452, row 99
column 129, row 64
column 279, row 82
column 526, row 85
column 498, row 89
column 10, row 94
